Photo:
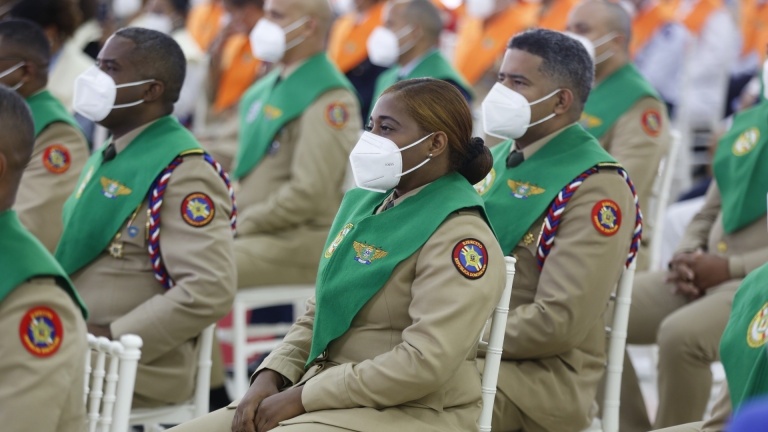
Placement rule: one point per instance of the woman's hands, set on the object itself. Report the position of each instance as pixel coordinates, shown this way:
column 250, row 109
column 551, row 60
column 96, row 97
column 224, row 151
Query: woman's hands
column 263, row 406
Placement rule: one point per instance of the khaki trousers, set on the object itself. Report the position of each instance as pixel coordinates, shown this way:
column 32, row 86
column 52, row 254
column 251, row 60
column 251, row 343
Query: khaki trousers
column 221, row 421
column 721, row 412
column 688, row 334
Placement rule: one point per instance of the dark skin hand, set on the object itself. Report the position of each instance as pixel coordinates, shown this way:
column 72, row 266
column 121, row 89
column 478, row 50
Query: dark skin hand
column 695, row 272
column 99, row 330
column 263, row 406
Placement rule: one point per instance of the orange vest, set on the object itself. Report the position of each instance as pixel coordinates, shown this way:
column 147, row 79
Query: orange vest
column 696, row 18
column 478, row 45
column 347, row 44
column 649, row 20
column 555, row 16
column 754, row 27
column 240, row 69
column 204, row 22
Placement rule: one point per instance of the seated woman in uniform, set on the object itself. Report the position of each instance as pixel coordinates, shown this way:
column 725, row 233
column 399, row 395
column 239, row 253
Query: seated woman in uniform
column 404, row 288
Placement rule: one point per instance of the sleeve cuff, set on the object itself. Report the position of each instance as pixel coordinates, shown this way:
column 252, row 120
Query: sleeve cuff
column 279, row 361
column 327, row 390
column 736, row 267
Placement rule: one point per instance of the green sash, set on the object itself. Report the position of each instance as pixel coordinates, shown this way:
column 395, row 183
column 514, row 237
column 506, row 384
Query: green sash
column 271, row 103
column 363, row 248
column 433, row 65
column 742, row 347
column 610, row 99
column 109, row 192
column 46, row 109
column 24, row 257
column 741, row 168
column 516, row 197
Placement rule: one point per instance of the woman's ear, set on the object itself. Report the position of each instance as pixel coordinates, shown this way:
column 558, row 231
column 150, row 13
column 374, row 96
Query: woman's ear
column 439, row 143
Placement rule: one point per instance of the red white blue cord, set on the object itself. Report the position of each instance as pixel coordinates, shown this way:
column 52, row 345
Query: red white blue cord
column 156, row 193
column 552, row 221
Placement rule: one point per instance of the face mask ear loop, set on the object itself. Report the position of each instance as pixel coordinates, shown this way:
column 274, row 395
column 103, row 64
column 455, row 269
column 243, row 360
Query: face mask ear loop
column 134, row 83
column 542, row 120
column 604, row 39
column 544, row 98
column 411, row 145
column 12, row 69
column 128, row 104
column 292, row 27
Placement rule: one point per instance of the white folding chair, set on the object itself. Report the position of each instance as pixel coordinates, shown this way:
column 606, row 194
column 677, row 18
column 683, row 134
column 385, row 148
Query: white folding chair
column 493, row 348
column 256, row 298
column 110, row 374
column 618, row 341
column 151, row 418
column 663, row 186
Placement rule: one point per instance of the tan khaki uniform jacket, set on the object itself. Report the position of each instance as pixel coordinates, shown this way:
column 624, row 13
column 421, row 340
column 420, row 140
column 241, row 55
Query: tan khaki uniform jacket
column 407, row 363
column 124, row 293
column 43, row 191
column 554, row 349
column 287, row 203
column 639, row 149
column 42, row 394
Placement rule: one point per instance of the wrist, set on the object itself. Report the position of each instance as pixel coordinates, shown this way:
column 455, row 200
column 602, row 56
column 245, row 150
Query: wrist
column 269, row 376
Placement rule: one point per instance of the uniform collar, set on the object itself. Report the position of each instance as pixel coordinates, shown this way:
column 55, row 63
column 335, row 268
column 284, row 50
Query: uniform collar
column 399, row 199
column 537, row 145
column 122, row 142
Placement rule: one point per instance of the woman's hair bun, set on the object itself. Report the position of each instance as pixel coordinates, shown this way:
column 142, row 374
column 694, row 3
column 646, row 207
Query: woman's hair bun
column 479, row 161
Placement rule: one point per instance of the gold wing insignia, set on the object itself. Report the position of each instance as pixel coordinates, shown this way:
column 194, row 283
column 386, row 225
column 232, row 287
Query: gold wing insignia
column 122, row 190
column 358, row 247
column 105, row 182
column 379, row 254
column 535, row 190
column 513, row 184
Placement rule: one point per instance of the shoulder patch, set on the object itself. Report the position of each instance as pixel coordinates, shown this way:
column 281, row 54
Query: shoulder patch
column 470, row 258
column 606, row 217
column 651, row 122
column 757, row 333
column 56, row 159
column 197, row 209
column 337, row 115
column 41, row 331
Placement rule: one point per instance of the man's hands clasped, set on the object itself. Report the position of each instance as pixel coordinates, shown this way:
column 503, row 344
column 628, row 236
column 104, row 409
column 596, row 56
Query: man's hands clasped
column 264, row 406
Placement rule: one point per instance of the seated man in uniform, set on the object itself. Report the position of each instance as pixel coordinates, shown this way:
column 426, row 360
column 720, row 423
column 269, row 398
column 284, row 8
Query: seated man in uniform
column 42, row 330
column 686, row 309
column 623, row 111
column 148, row 232
column 347, row 48
column 297, row 127
column 564, row 207
column 60, row 147
column 416, row 26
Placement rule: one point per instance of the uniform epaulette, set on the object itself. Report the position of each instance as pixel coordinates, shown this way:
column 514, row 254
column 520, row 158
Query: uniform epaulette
column 610, row 165
column 192, row 152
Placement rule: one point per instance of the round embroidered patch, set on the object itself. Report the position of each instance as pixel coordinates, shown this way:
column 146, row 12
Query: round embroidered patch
column 651, row 122
column 41, row 331
column 746, row 141
column 197, row 209
column 485, row 184
column 606, row 217
column 470, row 258
column 56, row 159
column 757, row 333
column 337, row 115
column 343, row 233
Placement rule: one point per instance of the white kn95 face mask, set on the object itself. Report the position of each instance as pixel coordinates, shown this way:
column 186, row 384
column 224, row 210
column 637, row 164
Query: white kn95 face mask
column 95, row 94
column 377, row 164
column 507, row 113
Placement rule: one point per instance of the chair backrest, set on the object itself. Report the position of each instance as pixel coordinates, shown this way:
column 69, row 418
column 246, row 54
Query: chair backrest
column 110, row 374
column 618, row 341
column 203, row 378
column 494, row 348
column 664, row 184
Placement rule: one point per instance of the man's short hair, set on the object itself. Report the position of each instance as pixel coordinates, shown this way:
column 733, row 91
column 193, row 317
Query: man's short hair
column 564, row 59
column 63, row 14
column 27, row 36
column 241, row 3
column 425, row 14
column 159, row 57
column 18, row 140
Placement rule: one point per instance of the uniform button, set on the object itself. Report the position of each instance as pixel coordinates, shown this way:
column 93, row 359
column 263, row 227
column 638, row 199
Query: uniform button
column 722, row 247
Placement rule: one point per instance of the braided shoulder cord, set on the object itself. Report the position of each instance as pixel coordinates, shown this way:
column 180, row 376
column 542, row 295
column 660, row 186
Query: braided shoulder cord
column 157, row 191
column 552, row 221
